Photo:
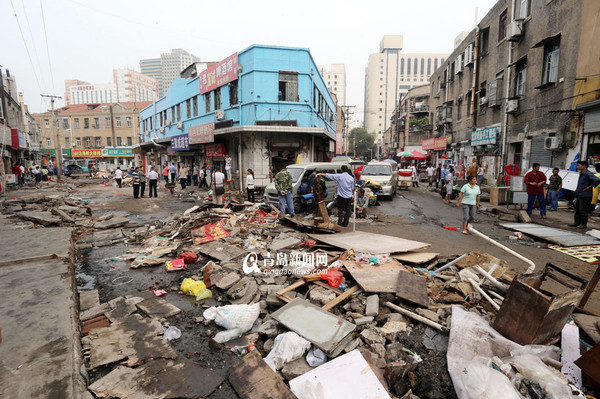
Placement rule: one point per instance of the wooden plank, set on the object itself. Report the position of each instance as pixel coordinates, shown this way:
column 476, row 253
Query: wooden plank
column 372, row 243
column 382, row 278
column 330, row 288
column 252, row 378
column 416, row 257
column 341, row 298
column 291, row 287
column 589, row 325
column 413, row 288
column 322, row 212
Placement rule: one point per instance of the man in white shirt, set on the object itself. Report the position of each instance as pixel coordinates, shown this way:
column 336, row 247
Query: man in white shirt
column 153, row 181
column 119, row 176
column 22, row 177
column 217, row 185
column 430, row 173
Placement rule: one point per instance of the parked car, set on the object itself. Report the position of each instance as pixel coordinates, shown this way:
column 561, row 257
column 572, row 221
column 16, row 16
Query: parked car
column 300, row 173
column 384, row 173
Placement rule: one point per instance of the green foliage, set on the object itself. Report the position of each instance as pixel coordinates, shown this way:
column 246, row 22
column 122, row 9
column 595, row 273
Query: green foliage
column 419, row 123
column 362, row 141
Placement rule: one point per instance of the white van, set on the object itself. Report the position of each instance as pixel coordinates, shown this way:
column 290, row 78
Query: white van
column 384, row 173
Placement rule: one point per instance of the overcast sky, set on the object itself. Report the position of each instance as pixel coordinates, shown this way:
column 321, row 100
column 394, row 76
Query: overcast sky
column 86, row 39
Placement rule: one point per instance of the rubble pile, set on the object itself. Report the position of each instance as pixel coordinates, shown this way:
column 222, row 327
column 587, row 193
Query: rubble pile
column 39, row 210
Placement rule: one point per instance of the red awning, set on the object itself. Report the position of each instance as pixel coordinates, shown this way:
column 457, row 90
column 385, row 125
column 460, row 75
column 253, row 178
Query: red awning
column 418, row 156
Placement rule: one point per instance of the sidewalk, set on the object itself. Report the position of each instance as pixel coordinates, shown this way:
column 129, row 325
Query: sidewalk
column 40, row 353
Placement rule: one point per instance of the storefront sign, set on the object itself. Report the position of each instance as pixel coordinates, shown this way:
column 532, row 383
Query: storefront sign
column 485, row 136
column 216, row 76
column 215, row 150
column 52, row 152
column 202, row 134
column 171, row 151
column 428, row 144
column 86, row 153
column 18, row 140
column 117, row 152
column 440, row 143
column 180, row 143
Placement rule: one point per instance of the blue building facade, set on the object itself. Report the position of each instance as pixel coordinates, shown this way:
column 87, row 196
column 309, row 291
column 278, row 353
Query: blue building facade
column 265, row 106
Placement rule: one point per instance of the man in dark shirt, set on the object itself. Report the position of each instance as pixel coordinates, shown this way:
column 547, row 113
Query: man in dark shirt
column 535, row 189
column 583, row 194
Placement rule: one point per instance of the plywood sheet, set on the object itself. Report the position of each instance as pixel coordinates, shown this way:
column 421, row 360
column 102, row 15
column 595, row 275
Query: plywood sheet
column 589, row 324
column 347, row 376
column 416, row 257
column 158, row 308
column 413, row 288
column 561, row 237
column 252, row 378
column 222, row 251
column 382, row 278
column 371, row 243
column 314, row 324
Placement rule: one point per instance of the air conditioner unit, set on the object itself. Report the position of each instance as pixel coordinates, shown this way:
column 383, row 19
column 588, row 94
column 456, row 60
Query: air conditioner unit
column 459, row 64
column 168, row 122
column 515, row 31
column 219, row 114
column 512, row 106
column 483, row 101
column 179, row 125
column 162, row 129
column 469, row 54
column 553, row 143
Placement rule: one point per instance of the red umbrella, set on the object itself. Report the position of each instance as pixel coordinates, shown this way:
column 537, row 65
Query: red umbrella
column 444, row 156
column 418, row 156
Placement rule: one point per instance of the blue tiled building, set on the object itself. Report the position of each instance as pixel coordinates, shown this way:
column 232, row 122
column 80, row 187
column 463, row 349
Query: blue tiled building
column 265, row 106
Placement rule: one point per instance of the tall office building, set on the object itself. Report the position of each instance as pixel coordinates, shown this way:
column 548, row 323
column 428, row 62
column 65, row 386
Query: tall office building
column 335, row 79
column 68, row 84
column 388, row 76
column 127, row 86
column 167, row 68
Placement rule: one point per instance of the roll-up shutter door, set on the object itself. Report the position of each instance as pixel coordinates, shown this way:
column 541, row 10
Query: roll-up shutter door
column 591, row 122
column 538, row 153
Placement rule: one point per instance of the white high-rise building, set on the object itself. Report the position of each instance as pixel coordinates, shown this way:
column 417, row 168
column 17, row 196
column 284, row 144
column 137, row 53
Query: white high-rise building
column 167, row 68
column 127, row 86
column 388, row 76
column 335, row 79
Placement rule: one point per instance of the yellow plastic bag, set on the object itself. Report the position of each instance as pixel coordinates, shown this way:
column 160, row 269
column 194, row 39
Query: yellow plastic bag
column 195, row 288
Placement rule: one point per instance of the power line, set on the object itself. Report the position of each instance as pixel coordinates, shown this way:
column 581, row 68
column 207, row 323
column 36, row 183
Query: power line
column 35, row 52
column 26, row 48
column 47, row 47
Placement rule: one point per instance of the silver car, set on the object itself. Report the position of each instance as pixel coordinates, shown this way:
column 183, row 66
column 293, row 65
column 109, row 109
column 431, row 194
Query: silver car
column 384, row 173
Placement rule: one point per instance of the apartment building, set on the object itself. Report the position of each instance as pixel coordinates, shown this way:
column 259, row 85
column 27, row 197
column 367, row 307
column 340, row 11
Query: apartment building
column 128, row 85
column 388, row 76
column 167, row 68
column 335, row 79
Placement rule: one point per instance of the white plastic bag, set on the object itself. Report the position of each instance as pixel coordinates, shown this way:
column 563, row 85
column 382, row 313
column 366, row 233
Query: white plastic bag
column 316, row 357
column 483, row 382
column 233, row 316
column 287, row 347
column 171, row 333
column 536, row 371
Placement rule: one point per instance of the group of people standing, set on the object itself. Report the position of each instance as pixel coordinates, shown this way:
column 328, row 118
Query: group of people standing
column 38, row 174
column 187, row 174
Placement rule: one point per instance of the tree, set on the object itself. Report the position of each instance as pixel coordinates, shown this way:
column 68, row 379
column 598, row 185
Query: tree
column 361, row 141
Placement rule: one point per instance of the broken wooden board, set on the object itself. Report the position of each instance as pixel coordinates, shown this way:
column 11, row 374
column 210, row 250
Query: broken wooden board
column 222, row 251
column 330, row 228
column 314, row 324
column 158, row 308
column 589, row 324
column 561, row 237
column 487, row 262
column 416, row 257
column 347, row 376
column 179, row 378
column 134, row 339
column 382, row 278
column 370, row 243
column 252, row 378
column 413, row 288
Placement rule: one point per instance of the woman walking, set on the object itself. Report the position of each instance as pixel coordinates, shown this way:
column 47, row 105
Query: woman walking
column 449, row 184
column 250, row 185
column 469, row 196
column 165, row 173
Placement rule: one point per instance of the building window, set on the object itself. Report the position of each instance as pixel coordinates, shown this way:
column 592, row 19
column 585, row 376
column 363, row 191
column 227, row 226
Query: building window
column 207, row 102
column 428, row 66
column 422, row 66
column 65, row 123
column 67, row 142
column 484, row 39
column 188, row 108
column 76, row 123
column 77, row 141
column 173, row 116
column 551, row 56
column 178, row 109
column 217, row 98
column 98, row 141
column 118, row 122
column 48, row 142
column 195, row 105
column 435, row 64
column 47, row 121
column 502, row 26
column 88, row 142
column 86, row 123
column 107, row 121
column 416, row 70
column 288, row 86
column 149, row 123
column 402, row 66
column 96, row 123
column 129, row 141
column 459, row 108
column 408, row 66
column 109, row 142
column 468, row 97
column 520, row 78
column 128, row 121
column 233, row 92
column 525, row 9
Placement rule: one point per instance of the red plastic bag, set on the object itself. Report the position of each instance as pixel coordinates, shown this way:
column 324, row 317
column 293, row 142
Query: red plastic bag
column 333, row 277
column 188, row 257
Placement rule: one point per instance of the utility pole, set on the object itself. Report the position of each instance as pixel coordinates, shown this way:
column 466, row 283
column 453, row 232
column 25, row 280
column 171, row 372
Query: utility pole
column 4, row 115
column 57, row 146
column 112, row 128
column 346, row 111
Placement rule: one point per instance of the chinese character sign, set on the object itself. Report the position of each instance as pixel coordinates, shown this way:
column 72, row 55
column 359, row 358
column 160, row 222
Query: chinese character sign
column 220, row 74
column 86, row 153
column 215, row 150
column 180, row 143
column 209, row 232
column 484, row 136
column 202, row 134
column 440, row 143
column 428, row 144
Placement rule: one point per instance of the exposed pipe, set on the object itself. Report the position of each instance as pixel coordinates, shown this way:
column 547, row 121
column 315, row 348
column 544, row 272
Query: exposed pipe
column 447, row 265
column 510, row 251
column 484, row 294
column 491, row 279
column 415, row 316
